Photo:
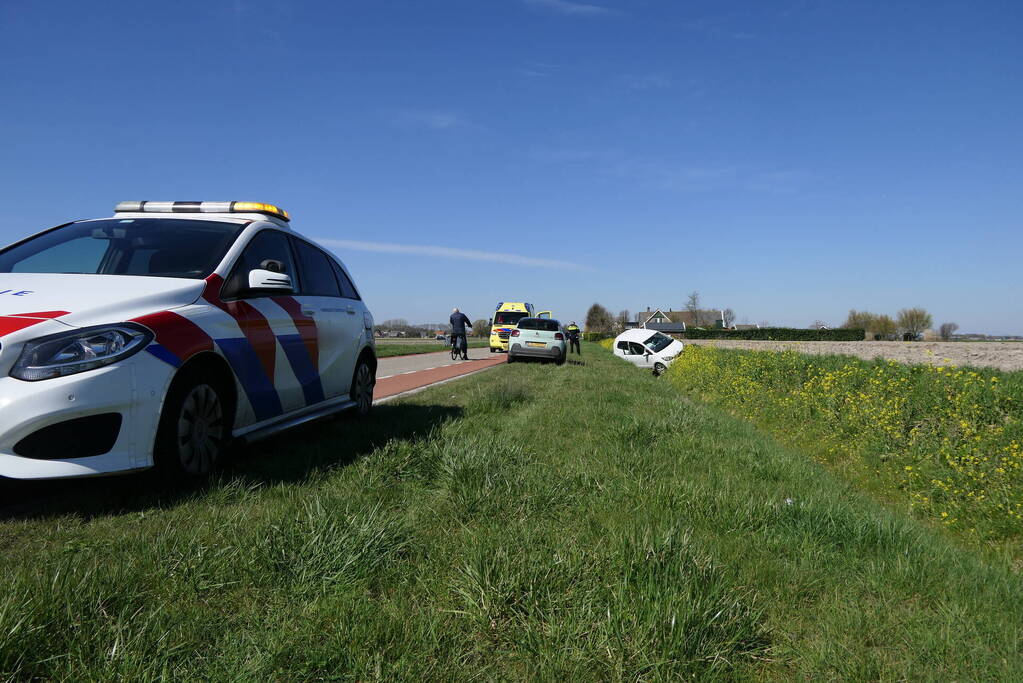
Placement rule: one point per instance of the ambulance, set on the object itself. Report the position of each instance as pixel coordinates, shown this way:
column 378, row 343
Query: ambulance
column 163, row 333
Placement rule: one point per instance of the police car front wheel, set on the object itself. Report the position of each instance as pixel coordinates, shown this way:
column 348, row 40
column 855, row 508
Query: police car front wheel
column 193, row 431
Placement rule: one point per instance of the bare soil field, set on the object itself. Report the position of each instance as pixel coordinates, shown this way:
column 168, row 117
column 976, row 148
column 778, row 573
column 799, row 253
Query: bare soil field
column 1001, row 355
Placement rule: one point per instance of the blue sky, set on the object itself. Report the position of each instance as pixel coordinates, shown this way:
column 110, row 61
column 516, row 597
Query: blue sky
column 790, row 160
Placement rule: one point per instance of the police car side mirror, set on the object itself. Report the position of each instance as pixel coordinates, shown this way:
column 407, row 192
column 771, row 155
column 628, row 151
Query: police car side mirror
column 263, row 280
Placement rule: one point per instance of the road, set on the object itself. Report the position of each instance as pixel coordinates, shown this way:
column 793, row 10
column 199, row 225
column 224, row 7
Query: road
column 399, row 374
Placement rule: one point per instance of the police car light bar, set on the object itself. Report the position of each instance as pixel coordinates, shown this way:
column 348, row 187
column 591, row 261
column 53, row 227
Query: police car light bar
column 202, row 207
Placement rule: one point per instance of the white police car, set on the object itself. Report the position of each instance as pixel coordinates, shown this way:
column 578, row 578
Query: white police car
column 160, row 334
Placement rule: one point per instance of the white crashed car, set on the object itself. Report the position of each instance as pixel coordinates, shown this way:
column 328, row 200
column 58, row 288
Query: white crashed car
column 647, row 349
column 162, row 333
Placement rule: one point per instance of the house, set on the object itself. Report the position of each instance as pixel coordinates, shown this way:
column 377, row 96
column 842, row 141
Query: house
column 675, row 322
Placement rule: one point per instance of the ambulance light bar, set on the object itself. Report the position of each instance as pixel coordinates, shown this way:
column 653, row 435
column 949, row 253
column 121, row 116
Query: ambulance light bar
column 202, row 207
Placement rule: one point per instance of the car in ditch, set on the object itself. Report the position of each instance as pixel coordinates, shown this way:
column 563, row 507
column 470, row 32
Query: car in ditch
column 647, row 349
column 164, row 333
column 538, row 338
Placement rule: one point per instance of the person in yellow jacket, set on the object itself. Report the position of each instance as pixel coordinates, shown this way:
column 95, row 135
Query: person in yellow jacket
column 573, row 338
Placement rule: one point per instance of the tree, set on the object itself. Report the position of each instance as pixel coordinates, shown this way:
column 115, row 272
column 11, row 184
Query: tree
column 621, row 321
column 864, row 320
column 480, row 328
column 395, row 323
column 818, row 325
column 947, row 330
column 693, row 306
column 884, row 328
column 598, row 319
column 728, row 315
column 913, row 321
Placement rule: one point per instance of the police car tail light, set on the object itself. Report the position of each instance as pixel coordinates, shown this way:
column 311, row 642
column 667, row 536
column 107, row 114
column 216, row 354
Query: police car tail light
column 69, row 353
column 202, row 207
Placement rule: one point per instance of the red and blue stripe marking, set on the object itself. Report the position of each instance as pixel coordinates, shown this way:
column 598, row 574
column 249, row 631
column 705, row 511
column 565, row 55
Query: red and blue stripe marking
column 253, row 356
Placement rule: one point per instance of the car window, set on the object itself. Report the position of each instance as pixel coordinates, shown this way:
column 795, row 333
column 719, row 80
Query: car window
column 268, row 250
column 542, row 324
column 317, row 275
column 636, row 349
column 624, row 346
column 659, row 342
column 348, row 290
column 159, row 247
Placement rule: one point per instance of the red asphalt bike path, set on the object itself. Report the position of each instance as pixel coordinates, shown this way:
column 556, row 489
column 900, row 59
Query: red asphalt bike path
column 398, row 384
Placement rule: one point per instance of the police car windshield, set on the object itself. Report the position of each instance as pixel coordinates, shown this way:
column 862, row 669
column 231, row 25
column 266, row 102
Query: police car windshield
column 157, row 247
column 658, row 342
column 508, row 318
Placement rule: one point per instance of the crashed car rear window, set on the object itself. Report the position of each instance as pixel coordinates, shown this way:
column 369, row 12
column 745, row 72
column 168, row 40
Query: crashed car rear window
column 541, row 324
column 156, row 247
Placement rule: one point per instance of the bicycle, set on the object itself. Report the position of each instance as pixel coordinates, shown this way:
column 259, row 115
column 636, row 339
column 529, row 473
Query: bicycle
column 456, row 346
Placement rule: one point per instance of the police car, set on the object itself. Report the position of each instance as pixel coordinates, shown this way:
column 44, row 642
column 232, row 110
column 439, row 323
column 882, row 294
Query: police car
column 159, row 335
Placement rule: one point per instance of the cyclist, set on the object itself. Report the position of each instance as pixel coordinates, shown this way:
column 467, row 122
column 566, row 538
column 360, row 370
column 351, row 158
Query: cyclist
column 459, row 321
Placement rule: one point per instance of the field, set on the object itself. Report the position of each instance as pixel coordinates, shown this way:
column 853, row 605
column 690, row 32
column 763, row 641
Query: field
column 1000, row 355
column 477, row 531
column 945, row 442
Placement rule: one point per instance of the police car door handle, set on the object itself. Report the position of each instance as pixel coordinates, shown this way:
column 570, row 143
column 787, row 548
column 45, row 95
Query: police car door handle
column 350, row 309
column 309, row 312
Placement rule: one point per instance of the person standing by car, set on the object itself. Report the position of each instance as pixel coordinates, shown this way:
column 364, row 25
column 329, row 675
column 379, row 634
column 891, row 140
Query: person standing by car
column 573, row 338
column 459, row 321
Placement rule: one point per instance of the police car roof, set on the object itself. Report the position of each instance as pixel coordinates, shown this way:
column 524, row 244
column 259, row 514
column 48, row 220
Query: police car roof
column 220, row 217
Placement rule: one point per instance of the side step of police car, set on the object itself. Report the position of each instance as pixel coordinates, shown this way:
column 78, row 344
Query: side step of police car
column 309, row 414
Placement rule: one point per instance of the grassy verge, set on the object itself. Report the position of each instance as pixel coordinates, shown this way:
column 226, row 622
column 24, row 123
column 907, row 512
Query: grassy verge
column 531, row 522
column 946, row 441
column 386, row 350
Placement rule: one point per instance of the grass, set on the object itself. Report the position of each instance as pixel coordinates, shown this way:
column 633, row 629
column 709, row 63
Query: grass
column 947, row 442
column 388, row 349
column 530, row 522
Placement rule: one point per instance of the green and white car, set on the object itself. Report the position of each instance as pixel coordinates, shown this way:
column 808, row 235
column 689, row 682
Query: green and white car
column 541, row 338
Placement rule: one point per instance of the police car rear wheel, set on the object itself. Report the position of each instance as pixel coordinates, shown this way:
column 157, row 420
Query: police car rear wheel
column 362, row 388
column 193, row 428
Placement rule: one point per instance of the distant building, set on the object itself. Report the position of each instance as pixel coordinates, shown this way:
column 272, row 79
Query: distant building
column 676, row 322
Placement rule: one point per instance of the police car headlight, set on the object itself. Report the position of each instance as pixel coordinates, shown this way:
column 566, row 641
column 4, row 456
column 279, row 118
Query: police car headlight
column 68, row 353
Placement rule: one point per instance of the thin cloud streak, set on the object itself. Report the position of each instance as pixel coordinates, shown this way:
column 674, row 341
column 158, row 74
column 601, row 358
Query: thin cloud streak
column 572, row 8
column 430, row 119
column 452, row 253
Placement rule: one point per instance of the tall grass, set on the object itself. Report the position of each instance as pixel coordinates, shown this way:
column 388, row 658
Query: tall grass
column 529, row 523
column 948, row 441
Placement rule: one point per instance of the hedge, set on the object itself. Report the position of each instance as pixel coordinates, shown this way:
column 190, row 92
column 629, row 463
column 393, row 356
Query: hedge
column 777, row 334
column 595, row 336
